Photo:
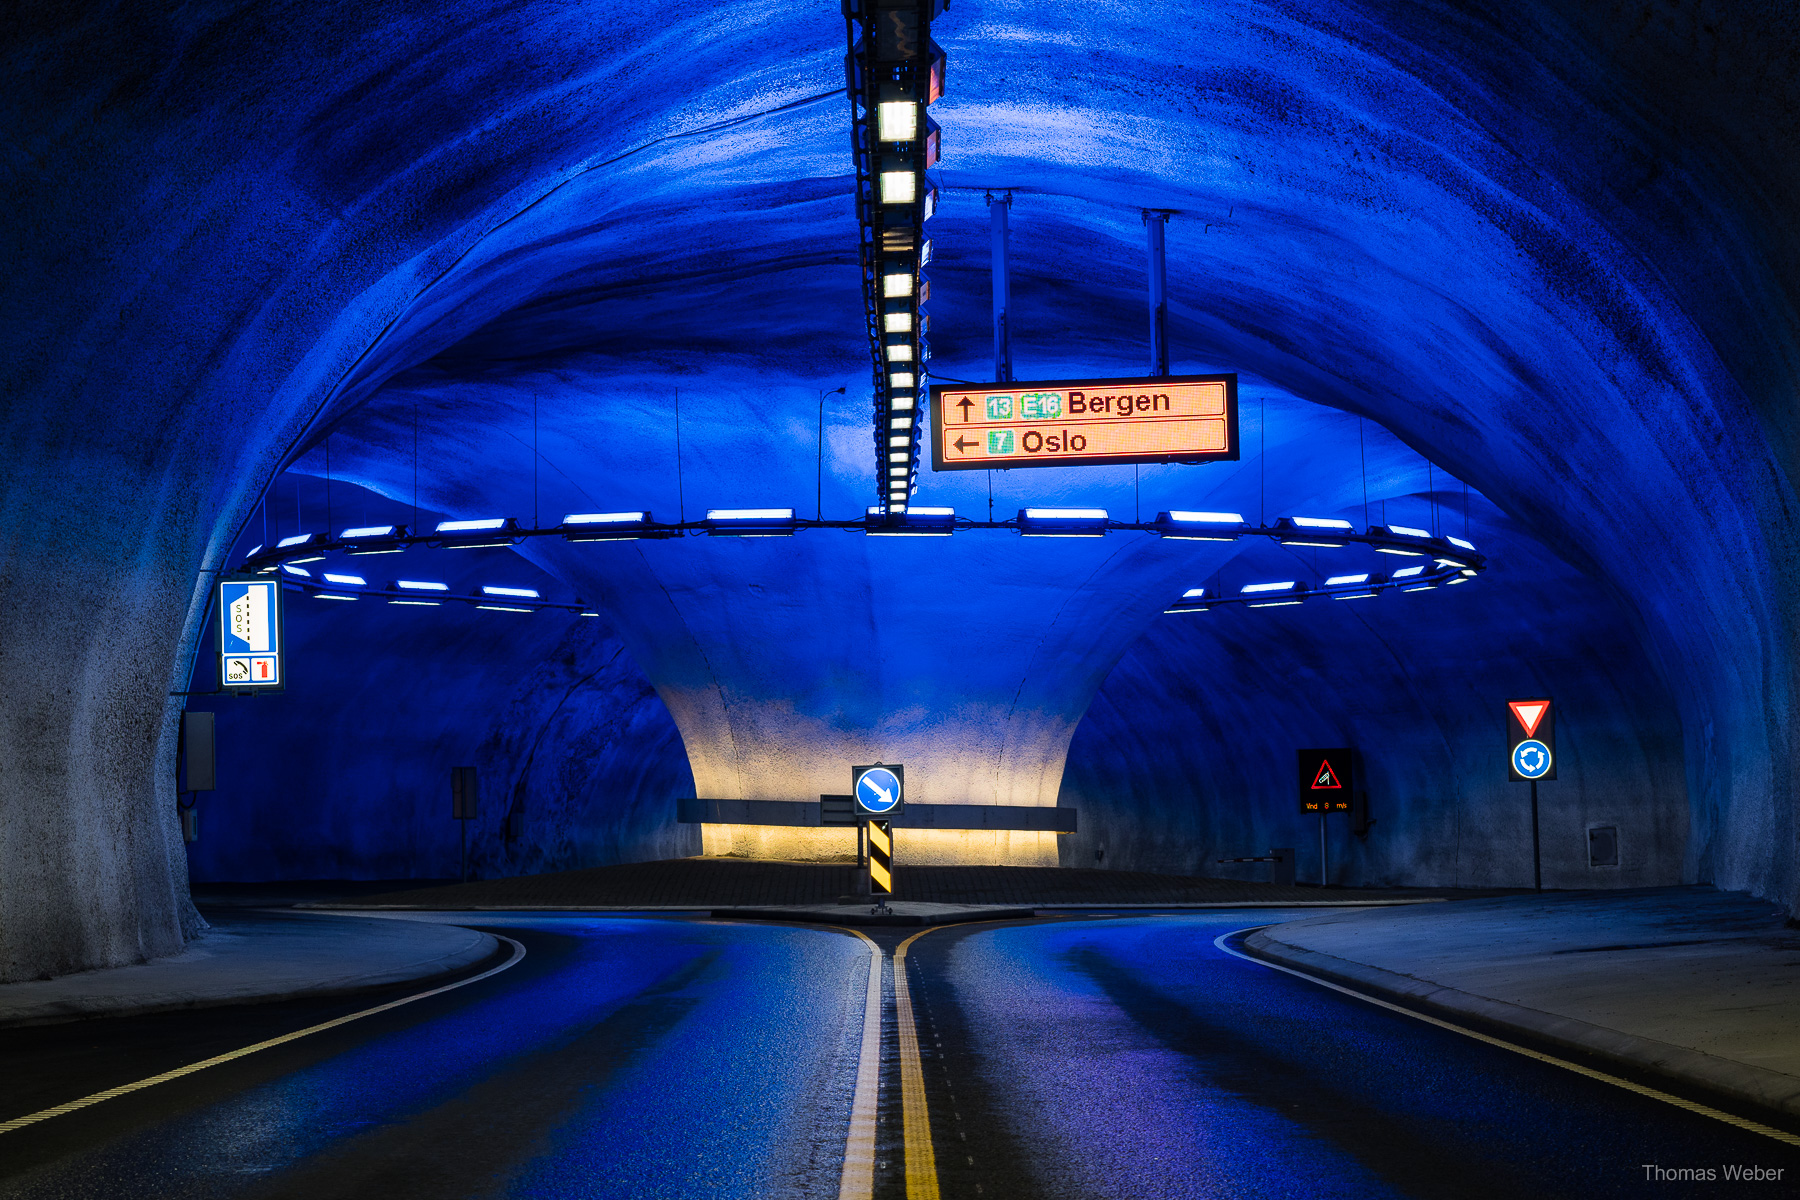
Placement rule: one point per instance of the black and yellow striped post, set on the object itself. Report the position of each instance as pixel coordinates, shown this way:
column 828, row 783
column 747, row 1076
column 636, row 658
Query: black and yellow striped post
column 881, row 858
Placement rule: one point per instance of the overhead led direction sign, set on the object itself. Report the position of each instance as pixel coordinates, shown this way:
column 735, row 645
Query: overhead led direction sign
column 1084, row 422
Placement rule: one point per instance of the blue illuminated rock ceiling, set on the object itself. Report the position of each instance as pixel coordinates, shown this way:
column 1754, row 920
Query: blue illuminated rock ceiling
column 1549, row 252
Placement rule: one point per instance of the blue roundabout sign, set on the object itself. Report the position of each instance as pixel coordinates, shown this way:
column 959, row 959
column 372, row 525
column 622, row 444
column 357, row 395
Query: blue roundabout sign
column 1531, row 758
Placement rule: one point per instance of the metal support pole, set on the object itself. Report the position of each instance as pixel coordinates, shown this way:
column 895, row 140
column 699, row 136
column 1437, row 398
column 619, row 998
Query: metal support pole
column 1324, row 863
column 1537, row 862
column 465, row 849
column 1154, row 223
column 998, row 228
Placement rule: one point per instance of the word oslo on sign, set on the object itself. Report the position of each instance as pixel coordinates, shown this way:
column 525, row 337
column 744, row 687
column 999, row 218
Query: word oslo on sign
column 1075, row 422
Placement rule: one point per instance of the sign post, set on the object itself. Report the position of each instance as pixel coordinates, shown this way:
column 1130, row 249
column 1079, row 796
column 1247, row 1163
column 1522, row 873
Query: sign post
column 1531, row 756
column 1076, row 422
column 464, row 798
column 880, row 792
column 1327, row 785
column 251, row 658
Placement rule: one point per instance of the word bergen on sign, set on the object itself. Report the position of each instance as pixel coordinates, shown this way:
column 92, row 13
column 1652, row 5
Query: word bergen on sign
column 250, row 641
column 1060, row 423
column 1530, row 741
column 1327, row 780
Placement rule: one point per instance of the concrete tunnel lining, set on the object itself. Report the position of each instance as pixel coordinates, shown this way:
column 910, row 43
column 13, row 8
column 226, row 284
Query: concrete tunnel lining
column 1544, row 250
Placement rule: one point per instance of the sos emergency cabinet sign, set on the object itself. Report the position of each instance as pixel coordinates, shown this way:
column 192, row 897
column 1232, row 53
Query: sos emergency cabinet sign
column 1084, row 422
column 1530, row 740
column 250, row 650
column 1327, row 780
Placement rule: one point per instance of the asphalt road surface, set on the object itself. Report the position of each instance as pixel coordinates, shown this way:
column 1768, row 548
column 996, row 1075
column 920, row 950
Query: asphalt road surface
column 1089, row 1056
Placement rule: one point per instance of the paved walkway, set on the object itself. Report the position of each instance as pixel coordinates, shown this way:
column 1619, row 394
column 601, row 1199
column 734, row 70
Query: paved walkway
column 708, row 883
column 1686, row 983
column 253, row 957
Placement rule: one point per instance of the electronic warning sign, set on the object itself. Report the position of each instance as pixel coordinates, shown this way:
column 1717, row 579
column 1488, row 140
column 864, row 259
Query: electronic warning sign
column 1327, row 780
column 1084, row 422
column 250, row 649
column 1530, row 740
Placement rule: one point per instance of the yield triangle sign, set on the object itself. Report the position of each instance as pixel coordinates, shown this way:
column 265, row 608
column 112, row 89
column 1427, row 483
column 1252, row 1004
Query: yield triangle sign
column 1326, row 778
column 1529, row 713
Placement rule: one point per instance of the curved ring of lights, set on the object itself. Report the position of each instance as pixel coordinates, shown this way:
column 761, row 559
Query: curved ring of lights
column 1449, row 560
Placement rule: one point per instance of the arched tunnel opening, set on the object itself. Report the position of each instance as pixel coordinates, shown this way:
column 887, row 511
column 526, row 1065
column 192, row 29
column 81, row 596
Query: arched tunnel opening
column 1515, row 281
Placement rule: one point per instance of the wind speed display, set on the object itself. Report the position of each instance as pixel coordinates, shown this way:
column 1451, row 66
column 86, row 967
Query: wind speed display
column 1082, row 422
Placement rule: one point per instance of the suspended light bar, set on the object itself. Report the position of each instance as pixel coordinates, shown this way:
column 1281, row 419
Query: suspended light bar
column 610, row 527
column 420, row 590
column 1063, row 522
column 917, row 521
column 373, row 539
column 351, row 580
column 750, row 522
column 1311, row 531
column 305, row 543
column 1183, row 525
column 1395, row 540
column 511, row 593
column 1370, row 585
column 1273, row 595
column 477, row 535
column 504, row 608
column 1459, row 542
column 331, row 596
column 291, row 569
column 1191, row 600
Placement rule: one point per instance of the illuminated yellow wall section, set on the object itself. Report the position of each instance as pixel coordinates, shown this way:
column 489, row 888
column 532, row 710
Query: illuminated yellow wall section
column 912, row 847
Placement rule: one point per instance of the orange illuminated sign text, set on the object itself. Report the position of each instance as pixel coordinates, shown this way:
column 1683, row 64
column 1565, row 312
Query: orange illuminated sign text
column 1061, row 423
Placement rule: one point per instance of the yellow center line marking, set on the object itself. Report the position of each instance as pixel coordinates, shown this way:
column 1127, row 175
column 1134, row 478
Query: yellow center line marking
column 858, row 1180
column 126, row 1089
column 1603, row 1077
column 915, row 1118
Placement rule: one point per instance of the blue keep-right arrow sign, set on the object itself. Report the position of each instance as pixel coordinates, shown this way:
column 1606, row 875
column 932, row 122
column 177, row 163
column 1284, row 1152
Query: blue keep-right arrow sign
column 878, row 790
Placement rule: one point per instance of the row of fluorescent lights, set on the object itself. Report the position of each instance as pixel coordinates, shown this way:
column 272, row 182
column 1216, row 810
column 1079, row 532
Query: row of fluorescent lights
column 332, row 585
column 1177, row 524
column 1361, row 586
column 895, row 73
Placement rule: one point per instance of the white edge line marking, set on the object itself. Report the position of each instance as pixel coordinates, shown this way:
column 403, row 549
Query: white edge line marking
column 126, row 1089
column 1602, row 1076
column 858, row 1181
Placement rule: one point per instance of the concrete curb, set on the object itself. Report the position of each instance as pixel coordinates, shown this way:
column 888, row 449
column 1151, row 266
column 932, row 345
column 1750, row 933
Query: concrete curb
column 1768, row 1090
column 859, row 914
column 573, row 908
column 189, row 981
column 1132, row 906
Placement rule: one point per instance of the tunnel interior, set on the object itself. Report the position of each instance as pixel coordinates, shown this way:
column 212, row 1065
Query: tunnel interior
column 1523, row 281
